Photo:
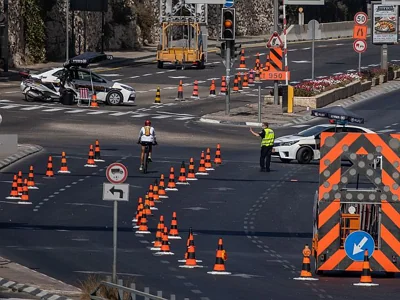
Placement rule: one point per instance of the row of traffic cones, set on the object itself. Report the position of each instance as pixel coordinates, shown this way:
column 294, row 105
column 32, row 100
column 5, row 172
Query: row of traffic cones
column 157, row 192
column 305, row 274
column 20, row 187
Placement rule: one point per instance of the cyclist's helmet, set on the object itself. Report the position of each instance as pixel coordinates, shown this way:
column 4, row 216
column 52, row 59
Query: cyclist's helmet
column 147, row 123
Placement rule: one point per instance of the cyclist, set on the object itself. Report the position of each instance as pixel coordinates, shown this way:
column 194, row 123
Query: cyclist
column 147, row 136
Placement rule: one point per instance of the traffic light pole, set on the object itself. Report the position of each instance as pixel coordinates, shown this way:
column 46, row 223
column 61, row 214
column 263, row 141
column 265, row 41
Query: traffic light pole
column 228, row 79
column 276, row 20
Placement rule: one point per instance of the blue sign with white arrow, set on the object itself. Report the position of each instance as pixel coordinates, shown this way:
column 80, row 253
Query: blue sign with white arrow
column 228, row 3
column 356, row 243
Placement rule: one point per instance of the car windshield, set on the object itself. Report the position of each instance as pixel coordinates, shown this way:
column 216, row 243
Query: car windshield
column 312, row 131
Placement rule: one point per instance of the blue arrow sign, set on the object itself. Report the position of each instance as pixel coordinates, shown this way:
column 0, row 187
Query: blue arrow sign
column 356, row 243
column 228, row 3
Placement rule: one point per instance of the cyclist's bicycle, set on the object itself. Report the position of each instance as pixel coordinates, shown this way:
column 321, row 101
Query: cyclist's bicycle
column 146, row 156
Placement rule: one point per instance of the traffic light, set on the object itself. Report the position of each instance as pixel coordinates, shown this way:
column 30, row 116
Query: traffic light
column 228, row 24
column 222, row 50
column 235, row 51
column 280, row 14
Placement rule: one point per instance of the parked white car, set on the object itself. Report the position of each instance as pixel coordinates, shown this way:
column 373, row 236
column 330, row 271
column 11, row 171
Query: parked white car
column 305, row 145
column 113, row 93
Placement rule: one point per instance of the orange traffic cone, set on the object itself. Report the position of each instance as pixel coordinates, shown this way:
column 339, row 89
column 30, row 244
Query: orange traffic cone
column 139, row 215
column 191, row 172
column 147, row 207
column 223, row 90
column 20, row 183
column 207, row 163
column 64, row 167
column 242, row 64
column 257, row 63
column 305, row 273
column 191, row 261
column 212, row 89
column 90, row 162
column 189, row 242
column 173, row 231
column 165, row 250
column 160, row 229
column 31, row 180
column 25, row 194
column 161, row 188
column 195, row 94
column 202, row 169
column 366, row 279
column 236, row 85
column 14, row 189
column 240, row 83
column 151, row 198
column 251, row 78
column 143, row 229
column 245, row 81
column 157, row 99
column 156, row 196
column 49, row 171
column 93, row 102
column 221, row 257
column 135, row 218
column 182, row 175
column 97, row 154
column 171, row 182
column 217, row 159
column 180, row 91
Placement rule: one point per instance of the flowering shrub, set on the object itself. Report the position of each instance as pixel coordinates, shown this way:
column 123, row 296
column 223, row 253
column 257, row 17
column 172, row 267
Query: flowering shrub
column 315, row 87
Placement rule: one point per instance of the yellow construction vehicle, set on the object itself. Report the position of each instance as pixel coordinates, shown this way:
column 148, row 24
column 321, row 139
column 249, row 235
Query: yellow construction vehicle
column 182, row 44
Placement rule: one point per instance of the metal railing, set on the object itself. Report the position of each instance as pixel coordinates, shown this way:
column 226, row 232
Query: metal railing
column 131, row 291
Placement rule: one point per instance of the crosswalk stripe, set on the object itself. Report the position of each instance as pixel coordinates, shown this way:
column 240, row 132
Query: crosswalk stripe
column 10, row 106
column 120, row 114
column 75, row 111
column 183, row 118
column 140, row 115
column 31, row 107
column 97, row 112
column 53, row 109
column 161, row 117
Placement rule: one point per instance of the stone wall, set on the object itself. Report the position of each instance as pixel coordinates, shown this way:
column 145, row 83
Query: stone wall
column 122, row 32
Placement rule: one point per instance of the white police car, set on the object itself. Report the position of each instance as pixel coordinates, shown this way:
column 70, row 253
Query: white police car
column 304, row 146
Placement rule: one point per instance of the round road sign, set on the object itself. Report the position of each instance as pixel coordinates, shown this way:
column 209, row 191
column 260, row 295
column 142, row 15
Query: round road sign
column 360, row 46
column 361, row 18
column 116, row 173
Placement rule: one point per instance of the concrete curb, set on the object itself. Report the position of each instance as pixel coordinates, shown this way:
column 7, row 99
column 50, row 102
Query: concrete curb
column 20, row 155
column 383, row 89
column 31, row 290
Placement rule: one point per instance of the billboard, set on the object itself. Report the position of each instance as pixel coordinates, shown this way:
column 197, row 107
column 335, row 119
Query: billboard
column 384, row 24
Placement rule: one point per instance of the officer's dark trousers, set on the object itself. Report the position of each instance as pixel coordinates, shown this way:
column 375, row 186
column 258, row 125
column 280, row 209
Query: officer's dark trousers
column 265, row 158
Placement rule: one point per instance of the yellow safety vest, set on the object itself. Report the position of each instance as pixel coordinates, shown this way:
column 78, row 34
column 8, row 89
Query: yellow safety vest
column 269, row 138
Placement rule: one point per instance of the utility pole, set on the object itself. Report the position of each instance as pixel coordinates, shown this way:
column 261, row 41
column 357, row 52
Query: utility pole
column 67, row 30
column 5, row 48
column 228, row 78
column 276, row 20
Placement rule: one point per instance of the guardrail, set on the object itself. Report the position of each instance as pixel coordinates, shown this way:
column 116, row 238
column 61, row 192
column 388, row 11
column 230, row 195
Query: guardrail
column 328, row 31
column 131, row 291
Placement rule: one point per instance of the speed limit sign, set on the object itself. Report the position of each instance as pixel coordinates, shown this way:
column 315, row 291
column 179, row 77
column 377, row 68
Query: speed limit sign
column 361, row 18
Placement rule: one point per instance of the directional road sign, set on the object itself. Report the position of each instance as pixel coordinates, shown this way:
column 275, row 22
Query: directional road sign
column 356, row 243
column 115, row 192
column 116, row 173
column 275, row 41
column 360, row 46
column 361, row 18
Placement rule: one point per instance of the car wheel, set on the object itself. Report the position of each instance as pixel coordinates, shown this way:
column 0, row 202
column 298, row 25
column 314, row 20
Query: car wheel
column 285, row 160
column 304, row 155
column 114, row 98
column 160, row 64
column 28, row 98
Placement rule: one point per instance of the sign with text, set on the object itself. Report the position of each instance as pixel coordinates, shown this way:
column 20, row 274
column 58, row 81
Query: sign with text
column 275, row 75
column 384, row 24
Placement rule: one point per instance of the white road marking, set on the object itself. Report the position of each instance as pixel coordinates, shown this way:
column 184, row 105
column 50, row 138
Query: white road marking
column 10, row 106
column 161, row 117
column 148, row 74
column 133, row 77
column 53, row 109
column 183, row 118
column 32, row 107
column 300, row 126
column 301, row 61
column 75, row 111
column 385, row 130
column 120, row 114
column 140, row 115
column 99, row 112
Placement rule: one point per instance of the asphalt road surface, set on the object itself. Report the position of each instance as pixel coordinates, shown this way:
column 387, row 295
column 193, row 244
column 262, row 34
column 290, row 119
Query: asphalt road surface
column 265, row 219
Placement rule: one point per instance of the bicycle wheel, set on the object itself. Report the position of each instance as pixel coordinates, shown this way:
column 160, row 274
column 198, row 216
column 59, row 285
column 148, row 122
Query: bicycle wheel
column 145, row 161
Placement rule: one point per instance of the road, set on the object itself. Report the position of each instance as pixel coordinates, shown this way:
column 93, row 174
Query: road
column 263, row 218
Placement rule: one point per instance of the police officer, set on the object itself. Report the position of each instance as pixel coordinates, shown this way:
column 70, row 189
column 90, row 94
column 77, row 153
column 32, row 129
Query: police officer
column 267, row 142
